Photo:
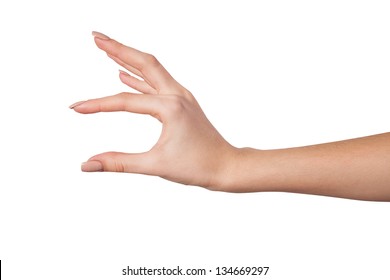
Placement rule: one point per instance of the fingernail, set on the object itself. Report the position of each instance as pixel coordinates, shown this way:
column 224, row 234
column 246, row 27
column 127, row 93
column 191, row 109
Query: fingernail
column 100, row 35
column 123, row 72
column 92, row 166
column 76, row 104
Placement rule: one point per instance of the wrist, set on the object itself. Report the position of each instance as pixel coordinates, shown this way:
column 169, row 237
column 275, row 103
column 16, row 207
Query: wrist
column 240, row 171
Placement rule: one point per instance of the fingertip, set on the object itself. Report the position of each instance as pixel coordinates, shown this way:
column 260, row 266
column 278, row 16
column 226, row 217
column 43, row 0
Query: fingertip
column 102, row 43
column 100, row 36
column 74, row 105
column 124, row 77
column 92, row 166
column 82, row 107
column 121, row 72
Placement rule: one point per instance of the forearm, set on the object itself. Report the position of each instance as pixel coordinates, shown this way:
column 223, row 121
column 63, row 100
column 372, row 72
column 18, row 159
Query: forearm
column 357, row 168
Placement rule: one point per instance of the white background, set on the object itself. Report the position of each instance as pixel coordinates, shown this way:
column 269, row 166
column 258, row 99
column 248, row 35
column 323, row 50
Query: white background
column 269, row 74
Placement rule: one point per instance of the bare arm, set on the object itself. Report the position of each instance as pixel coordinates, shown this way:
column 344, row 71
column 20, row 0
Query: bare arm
column 357, row 168
column 191, row 151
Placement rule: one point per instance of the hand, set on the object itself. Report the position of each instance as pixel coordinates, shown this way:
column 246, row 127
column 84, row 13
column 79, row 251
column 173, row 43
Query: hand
column 189, row 150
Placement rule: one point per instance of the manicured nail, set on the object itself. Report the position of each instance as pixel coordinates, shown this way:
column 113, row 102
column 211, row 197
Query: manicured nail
column 76, row 104
column 123, row 72
column 92, row 166
column 100, row 35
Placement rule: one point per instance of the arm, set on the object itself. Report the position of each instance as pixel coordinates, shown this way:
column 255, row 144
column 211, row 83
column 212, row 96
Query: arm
column 357, row 168
column 191, row 151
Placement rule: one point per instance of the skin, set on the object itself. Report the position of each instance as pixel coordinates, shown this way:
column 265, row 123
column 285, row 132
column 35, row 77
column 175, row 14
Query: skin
column 192, row 152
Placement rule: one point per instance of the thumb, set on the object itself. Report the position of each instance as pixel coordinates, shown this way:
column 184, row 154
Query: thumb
column 117, row 162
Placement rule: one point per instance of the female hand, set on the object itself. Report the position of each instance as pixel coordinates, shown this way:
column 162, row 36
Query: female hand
column 189, row 150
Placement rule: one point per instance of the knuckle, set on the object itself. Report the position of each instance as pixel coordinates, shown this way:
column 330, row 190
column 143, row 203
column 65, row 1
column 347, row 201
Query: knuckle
column 122, row 98
column 119, row 167
column 149, row 61
column 175, row 105
column 120, row 50
column 114, row 163
column 124, row 101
